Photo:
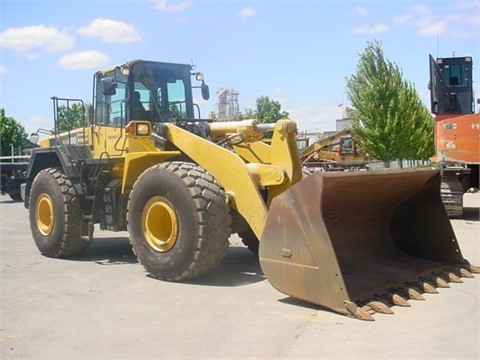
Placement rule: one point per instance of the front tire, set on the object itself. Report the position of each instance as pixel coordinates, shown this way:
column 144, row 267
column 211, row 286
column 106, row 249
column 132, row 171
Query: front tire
column 15, row 196
column 55, row 215
column 178, row 220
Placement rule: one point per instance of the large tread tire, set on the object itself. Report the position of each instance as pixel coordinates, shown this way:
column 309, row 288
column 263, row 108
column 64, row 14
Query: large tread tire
column 15, row 196
column 452, row 195
column 178, row 220
column 55, row 215
column 250, row 240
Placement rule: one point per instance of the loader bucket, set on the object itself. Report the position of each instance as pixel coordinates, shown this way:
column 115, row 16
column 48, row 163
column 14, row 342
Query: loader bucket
column 360, row 242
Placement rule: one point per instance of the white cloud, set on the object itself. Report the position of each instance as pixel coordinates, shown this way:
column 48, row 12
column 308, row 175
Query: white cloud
column 164, row 5
column 40, row 36
column 83, row 60
column 421, row 10
column 464, row 21
column 425, row 22
column 247, row 12
column 3, row 69
column 427, row 27
column 110, row 31
column 312, row 117
column 369, row 29
column 362, row 11
column 33, row 56
column 467, row 5
column 461, row 21
column 402, row 19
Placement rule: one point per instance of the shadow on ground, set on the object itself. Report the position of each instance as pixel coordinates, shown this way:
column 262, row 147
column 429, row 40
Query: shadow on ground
column 471, row 213
column 239, row 266
column 108, row 251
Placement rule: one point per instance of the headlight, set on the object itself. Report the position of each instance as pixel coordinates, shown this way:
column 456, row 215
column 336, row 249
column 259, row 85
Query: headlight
column 143, row 129
column 138, row 128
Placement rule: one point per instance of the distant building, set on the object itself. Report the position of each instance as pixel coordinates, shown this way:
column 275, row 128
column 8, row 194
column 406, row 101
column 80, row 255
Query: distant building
column 226, row 107
column 346, row 121
column 306, row 138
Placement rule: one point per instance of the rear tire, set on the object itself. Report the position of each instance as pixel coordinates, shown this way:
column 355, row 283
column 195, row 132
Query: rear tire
column 178, row 220
column 250, row 240
column 55, row 215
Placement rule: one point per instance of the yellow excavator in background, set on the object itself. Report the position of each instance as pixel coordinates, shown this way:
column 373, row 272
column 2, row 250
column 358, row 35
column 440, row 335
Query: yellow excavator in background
column 356, row 243
column 334, row 152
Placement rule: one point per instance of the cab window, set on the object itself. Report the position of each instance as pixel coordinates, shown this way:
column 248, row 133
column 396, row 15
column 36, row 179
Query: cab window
column 111, row 106
column 453, row 75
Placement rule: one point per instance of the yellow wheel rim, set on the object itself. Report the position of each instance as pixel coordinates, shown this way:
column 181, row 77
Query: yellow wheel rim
column 44, row 214
column 160, row 224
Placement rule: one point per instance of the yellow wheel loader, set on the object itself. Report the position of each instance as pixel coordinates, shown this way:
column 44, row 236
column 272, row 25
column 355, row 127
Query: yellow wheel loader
column 145, row 161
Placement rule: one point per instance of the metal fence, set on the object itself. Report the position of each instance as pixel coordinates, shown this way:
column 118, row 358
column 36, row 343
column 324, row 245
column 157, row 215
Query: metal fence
column 399, row 164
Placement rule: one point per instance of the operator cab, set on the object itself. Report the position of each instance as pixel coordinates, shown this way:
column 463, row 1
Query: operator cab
column 145, row 90
column 451, row 87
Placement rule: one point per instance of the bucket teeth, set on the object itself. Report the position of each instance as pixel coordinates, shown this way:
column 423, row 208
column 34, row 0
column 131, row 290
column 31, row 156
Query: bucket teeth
column 473, row 269
column 413, row 293
column 380, row 303
column 441, row 283
column 454, row 278
column 428, row 288
column 357, row 312
column 393, row 297
column 439, row 280
column 465, row 273
column 361, row 314
column 423, row 285
column 368, row 309
column 459, row 272
column 399, row 301
column 380, row 307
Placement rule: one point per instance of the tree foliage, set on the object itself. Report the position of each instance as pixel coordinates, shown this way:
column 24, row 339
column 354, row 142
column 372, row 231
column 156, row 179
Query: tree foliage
column 266, row 111
column 390, row 120
column 12, row 133
column 70, row 117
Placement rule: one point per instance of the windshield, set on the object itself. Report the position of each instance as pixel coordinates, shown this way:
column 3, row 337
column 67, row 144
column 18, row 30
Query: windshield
column 453, row 75
column 157, row 92
column 163, row 91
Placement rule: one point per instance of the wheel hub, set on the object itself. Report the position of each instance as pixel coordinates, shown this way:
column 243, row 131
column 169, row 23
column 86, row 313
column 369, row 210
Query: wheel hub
column 44, row 214
column 160, row 224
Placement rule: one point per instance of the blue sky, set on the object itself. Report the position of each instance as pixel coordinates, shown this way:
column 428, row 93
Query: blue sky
column 296, row 52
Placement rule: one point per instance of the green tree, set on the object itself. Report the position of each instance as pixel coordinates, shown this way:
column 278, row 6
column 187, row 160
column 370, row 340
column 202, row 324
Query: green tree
column 269, row 111
column 390, row 120
column 266, row 111
column 70, row 117
column 12, row 133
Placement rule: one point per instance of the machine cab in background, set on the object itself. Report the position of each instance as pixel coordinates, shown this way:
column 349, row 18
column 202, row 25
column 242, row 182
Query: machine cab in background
column 451, row 87
column 457, row 129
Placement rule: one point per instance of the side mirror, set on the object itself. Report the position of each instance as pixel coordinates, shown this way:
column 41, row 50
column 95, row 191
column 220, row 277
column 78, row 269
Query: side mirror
column 205, row 91
column 34, row 137
column 109, row 86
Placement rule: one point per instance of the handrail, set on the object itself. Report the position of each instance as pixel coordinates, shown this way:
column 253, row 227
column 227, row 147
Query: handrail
column 10, row 159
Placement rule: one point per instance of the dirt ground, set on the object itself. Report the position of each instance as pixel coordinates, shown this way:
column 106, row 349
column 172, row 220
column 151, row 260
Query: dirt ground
column 103, row 305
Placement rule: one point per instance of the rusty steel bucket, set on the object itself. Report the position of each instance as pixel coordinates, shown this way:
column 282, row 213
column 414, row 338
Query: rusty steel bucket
column 359, row 242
